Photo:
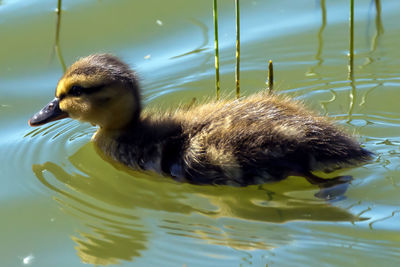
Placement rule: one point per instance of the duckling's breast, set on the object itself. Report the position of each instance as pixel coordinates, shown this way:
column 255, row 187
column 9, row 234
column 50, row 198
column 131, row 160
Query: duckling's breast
column 147, row 148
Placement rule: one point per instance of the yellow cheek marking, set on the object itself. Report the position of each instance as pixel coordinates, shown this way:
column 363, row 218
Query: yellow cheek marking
column 61, row 88
column 64, row 104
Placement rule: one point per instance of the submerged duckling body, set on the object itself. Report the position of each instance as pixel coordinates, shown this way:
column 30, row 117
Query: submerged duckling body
column 241, row 142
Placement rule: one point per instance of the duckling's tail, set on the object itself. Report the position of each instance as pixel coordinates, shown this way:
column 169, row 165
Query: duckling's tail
column 366, row 155
column 345, row 155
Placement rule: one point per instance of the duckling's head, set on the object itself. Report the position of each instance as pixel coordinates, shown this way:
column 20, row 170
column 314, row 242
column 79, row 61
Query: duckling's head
column 99, row 89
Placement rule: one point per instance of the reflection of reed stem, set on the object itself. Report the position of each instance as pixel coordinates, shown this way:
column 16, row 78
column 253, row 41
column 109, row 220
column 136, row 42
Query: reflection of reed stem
column 324, row 104
column 215, row 14
column 237, row 73
column 311, row 71
column 352, row 96
column 320, row 33
column 374, row 44
column 383, row 219
column 378, row 31
column 270, row 81
column 378, row 25
column 378, row 21
column 353, row 91
column 351, row 49
column 57, row 42
column 364, row 97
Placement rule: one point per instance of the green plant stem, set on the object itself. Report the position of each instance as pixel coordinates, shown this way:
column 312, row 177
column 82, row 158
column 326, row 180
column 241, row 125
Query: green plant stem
column 353, row 91
column 237, row 72
column 217, row 83
column 57, row 41
column 270, row 80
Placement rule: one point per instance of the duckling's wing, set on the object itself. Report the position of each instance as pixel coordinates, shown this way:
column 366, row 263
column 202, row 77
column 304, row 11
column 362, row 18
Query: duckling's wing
column 249, row 141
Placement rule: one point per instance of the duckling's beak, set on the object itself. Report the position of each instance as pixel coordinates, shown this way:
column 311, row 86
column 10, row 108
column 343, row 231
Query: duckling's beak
column 51, row 112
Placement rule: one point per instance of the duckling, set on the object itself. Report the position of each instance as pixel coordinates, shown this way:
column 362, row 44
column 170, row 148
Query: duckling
column 253, row 140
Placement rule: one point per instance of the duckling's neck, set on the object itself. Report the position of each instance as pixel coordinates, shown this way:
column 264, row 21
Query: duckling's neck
column 146, row 143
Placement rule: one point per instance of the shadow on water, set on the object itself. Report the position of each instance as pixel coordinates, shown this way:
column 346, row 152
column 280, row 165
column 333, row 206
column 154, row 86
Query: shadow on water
column 110, row 203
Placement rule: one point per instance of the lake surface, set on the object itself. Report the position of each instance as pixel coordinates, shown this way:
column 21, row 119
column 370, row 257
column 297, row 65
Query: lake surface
column 61, row 203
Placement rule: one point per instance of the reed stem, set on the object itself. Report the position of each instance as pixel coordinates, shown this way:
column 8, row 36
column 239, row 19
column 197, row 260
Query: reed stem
column 237, row 72
column 57, row 41
column 217, row 82
column 353, row 91
column 270, row 80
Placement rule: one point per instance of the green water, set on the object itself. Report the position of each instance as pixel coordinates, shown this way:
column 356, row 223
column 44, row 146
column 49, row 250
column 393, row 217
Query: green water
column 61, row 204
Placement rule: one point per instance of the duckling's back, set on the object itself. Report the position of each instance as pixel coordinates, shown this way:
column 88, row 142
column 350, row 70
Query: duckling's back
column 258, row 139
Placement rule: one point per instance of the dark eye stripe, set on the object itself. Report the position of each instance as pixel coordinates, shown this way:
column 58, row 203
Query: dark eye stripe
column 77, row 90
column 62, row 96
column 92, row 90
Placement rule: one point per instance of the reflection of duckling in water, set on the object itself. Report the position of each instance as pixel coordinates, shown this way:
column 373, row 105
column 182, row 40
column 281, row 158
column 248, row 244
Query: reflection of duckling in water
column 253, row 140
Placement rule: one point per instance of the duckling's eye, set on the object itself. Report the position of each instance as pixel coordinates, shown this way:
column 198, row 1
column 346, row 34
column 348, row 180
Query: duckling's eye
column 76, row 90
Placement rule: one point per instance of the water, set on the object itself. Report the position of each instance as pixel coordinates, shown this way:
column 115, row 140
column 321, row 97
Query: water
column 61, row 203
